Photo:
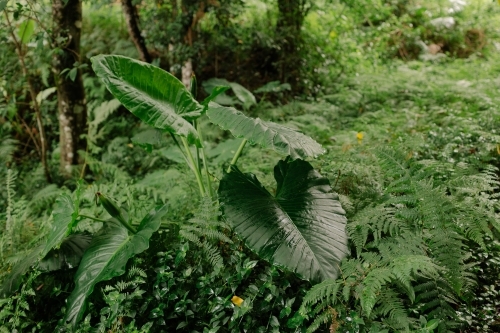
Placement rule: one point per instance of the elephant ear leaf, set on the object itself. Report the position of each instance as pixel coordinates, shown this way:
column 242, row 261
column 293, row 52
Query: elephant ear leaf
column 301, row 228
column 106, row 258
column 284, row 140
column 150, row 93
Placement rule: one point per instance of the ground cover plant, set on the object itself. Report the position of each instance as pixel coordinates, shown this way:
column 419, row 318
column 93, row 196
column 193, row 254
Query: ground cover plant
column 186, row 214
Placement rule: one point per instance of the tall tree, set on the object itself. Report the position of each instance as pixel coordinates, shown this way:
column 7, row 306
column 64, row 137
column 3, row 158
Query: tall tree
column 72, row 114
column 132, row 19
column 291, row 14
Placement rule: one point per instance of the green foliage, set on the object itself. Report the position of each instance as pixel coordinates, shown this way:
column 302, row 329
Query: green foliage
column 156, row 97
column 106, row 257
column 265, row 134
column 204, row 229
column 411, row 144
column 153, row 95
column 300, row 228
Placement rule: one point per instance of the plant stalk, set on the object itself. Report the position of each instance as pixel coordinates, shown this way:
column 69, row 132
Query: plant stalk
column 194, row 166
column 205, row 166
column 92, row 218
column 237, row 155
column 180, row 148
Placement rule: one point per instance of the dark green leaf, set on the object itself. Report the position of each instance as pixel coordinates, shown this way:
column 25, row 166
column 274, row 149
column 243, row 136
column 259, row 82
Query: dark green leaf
column 269, row 135
column 3, row 4
column 106, row 258
column 302, row 228
column 65, row 215
column 68, row 255
column 155, row 96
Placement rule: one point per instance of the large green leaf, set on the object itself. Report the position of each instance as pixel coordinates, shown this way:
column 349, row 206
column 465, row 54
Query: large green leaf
column 155, row 96
column 68, row 255
column 106, row 258
column 65, row 215
column 302, row 228
column 266, row 134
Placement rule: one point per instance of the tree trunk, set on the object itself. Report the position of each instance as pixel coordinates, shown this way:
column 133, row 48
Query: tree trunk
column 291, row 15
column 132, row 19
column 67, row 24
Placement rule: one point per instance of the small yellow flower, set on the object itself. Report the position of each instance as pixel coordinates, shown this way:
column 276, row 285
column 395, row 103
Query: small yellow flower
column 359, row 136
column 236, row 300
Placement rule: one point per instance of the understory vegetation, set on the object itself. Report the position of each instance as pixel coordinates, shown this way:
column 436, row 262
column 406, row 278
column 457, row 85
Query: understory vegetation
column 358, row 191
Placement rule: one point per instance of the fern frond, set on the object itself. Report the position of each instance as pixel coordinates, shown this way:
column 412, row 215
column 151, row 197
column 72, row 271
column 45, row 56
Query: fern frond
column 391, row 308
column 324, row 318
column 326, row 290
column 137, row 271
column 372, row 285
column 203, row 227
column 213, row 256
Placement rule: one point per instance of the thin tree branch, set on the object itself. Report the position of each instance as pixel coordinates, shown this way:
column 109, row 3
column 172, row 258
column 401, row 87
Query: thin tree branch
column 36, row 107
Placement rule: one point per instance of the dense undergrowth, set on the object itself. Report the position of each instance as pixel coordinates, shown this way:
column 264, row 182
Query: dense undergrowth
column 412, row 148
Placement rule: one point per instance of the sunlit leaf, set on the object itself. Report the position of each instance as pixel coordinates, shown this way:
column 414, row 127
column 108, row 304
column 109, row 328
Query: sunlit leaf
column 26, row 29
column 42, row 95
column 153, row 95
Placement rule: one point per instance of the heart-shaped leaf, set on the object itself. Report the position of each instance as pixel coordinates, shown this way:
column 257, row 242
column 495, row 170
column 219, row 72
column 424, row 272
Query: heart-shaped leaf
column 302, row 228
column 269, row 135
column 153, row 95
column 106, row 258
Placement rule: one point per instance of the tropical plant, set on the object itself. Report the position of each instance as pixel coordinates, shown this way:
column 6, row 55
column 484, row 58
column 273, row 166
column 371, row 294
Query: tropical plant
column 301, row 227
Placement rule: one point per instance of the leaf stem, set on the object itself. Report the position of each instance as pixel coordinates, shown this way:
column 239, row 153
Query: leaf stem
column 237, row 155
column 92, row 218
column 180, row 148
column 205, row 166
column 198, row 163
column 194, row 166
